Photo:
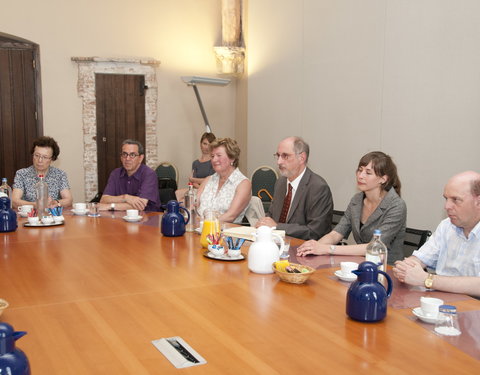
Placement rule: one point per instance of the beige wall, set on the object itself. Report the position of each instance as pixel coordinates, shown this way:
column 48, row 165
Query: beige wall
column 349, row 76
column 355, row 76
column 181, row 34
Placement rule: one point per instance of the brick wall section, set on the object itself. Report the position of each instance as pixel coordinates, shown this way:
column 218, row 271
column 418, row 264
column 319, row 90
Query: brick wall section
column 87, row 67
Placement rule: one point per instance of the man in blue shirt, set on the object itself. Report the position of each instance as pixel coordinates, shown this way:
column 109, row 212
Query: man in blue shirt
column 454, row 249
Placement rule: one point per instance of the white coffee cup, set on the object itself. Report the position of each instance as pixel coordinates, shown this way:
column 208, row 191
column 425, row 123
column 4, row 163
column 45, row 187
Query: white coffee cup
column 347, row 268
column 429, row 306
column 132, row 214
column 234, row 253
column 59, row 219
column 80, row 207
column 34, row 220
column 26, row 208
column 47, row 220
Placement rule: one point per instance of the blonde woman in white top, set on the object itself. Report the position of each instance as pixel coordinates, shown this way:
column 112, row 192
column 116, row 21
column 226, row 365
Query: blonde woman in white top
column 227, row 191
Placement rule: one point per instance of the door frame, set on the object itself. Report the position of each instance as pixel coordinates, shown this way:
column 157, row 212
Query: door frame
column 87, row 68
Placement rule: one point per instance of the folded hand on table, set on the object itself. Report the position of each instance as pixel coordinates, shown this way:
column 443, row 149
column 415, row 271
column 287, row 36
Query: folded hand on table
column 409, row 272
column 312, row 247
column 266, row 221
column 136, row 202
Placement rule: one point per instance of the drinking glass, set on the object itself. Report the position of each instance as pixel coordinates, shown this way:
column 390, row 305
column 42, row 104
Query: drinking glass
column 286, row 248
column 447, row 321
column 211, row 227
column 93, row 210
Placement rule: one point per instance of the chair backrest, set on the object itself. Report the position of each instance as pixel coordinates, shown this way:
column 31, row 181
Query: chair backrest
column 254, row 211
column 167, row 170
column 414, row 239
column 263, row 182
column 337, row 215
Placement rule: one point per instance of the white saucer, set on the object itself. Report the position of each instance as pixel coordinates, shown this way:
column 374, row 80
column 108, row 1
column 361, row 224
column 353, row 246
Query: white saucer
column 349, row 278
column 133, row 219
column 81, row 213
column 225, row 257
column 417, row 311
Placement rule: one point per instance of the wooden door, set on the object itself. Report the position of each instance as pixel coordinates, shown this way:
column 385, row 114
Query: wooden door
column 120, row 115
column 20, row 103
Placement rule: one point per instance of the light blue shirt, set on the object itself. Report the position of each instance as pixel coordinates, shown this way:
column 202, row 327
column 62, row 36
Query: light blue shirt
column 450, row 253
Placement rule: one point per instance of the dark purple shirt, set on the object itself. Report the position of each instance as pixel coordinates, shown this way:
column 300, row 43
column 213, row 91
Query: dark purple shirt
column 143, row 183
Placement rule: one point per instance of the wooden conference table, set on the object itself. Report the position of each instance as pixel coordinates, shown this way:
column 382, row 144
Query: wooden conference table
column 95, row 292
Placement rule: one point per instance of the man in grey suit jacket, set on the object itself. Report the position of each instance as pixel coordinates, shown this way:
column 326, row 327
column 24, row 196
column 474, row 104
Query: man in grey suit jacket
column 310, row 211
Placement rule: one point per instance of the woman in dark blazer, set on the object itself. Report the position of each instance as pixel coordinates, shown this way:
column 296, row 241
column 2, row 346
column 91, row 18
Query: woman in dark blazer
column 377, row 206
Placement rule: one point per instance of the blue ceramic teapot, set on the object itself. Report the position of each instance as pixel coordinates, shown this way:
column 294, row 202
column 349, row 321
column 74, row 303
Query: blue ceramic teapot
column 173, row 222
column 12, row 360
column 8, row 217
column 366, row 297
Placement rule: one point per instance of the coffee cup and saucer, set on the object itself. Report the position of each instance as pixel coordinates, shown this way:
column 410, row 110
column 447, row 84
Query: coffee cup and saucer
column 345, row 271
column 428, row 309
column 132, row 216
column 80, row 209
column 24, row 210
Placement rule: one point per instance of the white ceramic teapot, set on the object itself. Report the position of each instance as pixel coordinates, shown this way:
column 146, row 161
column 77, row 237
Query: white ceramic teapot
column 264, row 251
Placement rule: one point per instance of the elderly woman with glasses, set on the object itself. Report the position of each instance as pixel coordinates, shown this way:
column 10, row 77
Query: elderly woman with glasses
column 227, row 191
column 44, row 151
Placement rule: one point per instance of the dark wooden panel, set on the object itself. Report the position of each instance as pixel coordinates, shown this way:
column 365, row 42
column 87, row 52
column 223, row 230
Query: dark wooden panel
column 120, row 103
column 19, row 103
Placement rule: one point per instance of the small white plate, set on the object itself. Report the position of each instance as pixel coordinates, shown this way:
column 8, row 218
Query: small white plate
column 225, row 257
column 417, row 311
column 348, row 278
column 80, row 213
column 133, row 219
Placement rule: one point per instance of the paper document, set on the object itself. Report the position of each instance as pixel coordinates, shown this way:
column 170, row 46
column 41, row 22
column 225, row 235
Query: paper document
column 247, row 232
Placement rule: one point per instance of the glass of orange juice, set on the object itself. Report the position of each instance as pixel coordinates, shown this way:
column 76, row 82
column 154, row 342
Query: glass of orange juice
column 211, row 226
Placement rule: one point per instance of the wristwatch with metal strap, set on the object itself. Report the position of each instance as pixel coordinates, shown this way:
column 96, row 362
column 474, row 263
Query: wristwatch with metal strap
column 429, row 281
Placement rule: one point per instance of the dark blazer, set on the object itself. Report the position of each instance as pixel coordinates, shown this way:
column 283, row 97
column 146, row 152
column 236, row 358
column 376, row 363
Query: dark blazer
column 310, row 215
column 390, row 217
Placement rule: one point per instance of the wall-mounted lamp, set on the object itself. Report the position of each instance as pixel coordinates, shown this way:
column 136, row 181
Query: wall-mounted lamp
column 194, row 81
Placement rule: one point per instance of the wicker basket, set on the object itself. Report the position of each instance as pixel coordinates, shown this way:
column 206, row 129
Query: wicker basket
column 294, row 278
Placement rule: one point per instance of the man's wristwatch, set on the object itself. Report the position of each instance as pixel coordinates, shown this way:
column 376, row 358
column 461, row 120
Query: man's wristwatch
column 429, row 281
column 332, row 249
column 112, row 207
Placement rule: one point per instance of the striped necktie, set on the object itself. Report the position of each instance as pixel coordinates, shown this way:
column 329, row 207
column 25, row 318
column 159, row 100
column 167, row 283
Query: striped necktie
column 286, row 205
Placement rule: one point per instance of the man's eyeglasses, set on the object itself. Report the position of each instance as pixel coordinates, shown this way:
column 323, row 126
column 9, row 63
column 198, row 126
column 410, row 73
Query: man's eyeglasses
column 284, row 156
column 125, row 155
column 42, row 157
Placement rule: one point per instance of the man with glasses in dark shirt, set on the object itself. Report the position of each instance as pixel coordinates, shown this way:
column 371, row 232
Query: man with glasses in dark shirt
column 134, row 185
column 302, row 202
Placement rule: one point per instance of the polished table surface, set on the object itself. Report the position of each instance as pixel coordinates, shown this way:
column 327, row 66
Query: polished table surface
column 95, row 292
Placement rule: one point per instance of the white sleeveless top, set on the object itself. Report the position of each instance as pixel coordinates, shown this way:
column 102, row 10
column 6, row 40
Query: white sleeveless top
column 220, row 200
